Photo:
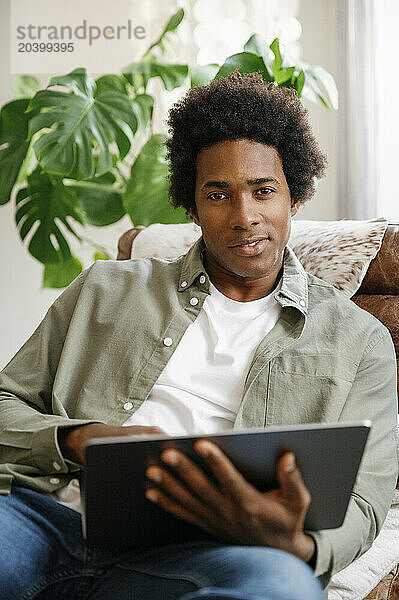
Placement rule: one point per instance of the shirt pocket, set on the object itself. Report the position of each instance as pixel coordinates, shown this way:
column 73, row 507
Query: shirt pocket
column 309, row 388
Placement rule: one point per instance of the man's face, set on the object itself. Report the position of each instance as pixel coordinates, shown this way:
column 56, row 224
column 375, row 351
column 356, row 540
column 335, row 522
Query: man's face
column 241, row 195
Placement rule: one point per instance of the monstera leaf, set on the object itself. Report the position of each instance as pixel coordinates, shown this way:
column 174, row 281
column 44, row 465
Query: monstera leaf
column 172, row 75
column 143, row 105
column 61, row 274
column 24, row 86
column 100, row 199
column 13, row 144
column 139, row 74
column 45, row 200
column 146, row 199
column 81, row 121
column 111, row 83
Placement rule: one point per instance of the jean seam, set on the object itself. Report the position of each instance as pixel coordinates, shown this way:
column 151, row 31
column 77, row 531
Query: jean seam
column 191, row 577
column 88, row 572
column 44, row 582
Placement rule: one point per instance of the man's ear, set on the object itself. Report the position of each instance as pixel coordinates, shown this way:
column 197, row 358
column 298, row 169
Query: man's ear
column 294, row 207
column 194, row 216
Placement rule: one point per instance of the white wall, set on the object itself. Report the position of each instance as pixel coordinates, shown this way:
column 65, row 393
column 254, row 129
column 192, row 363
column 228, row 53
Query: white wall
column 319, row 42
column 22, row 301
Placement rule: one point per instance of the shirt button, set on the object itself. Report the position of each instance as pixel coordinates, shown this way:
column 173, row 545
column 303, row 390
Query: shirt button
column 54, row 480
column 194, row 301
column 168, row 341
column 128, row 406
column 202, row 279
column 56, row 466
column 302, row 302
column 183, row 284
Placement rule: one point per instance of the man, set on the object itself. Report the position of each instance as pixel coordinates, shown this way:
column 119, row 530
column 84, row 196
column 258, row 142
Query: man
column 232, row 334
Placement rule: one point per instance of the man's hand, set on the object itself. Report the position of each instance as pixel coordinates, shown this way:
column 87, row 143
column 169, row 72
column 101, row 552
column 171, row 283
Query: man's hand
column 233, row 510
column 72, row 440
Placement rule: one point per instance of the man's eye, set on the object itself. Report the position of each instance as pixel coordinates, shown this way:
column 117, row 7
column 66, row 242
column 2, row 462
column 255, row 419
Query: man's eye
column 264, row 191
column 216, row 196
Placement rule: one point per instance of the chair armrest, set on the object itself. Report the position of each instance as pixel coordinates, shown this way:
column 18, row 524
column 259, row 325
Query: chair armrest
column 125, row 242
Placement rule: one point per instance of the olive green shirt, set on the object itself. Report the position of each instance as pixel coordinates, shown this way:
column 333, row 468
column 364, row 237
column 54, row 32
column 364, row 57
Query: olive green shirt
column 103, row 344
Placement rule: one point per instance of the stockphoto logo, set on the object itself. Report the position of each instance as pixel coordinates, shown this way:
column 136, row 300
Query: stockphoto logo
column 42, row 38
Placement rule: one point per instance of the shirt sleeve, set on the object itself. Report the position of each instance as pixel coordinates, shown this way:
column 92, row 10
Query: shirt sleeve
column 30, row 415
column 373, row 396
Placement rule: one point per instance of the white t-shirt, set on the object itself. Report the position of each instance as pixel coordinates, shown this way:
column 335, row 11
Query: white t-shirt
column 201, row 387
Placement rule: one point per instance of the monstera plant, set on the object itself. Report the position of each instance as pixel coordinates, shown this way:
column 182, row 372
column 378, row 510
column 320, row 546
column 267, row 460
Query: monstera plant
column 83, row 151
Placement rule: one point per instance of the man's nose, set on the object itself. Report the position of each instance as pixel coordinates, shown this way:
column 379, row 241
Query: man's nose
column 244, row 212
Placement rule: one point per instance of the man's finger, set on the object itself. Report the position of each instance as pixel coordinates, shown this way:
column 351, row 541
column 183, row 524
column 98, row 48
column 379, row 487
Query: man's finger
column 177, row 492
column 292, row 485
column 223, row 469
column 193, row 477
column 170, row 505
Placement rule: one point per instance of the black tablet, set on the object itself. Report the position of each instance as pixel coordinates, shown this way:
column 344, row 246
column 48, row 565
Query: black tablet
column 116, row 513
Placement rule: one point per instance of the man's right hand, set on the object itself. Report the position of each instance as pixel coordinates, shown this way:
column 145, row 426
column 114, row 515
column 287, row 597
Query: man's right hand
column 72, row 440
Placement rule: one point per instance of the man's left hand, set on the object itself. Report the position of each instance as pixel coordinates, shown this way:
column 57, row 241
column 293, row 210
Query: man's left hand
column 233, row 510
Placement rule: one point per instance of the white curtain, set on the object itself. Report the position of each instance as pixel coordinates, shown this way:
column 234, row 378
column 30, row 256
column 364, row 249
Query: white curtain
column 358, row 128
column 387, row 61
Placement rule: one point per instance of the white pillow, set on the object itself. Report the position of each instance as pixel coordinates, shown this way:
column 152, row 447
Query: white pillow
column 339, row 252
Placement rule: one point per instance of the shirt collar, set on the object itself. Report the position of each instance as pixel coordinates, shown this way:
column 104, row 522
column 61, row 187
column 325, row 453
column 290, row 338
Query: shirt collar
column 294, row 287
column 193, row 265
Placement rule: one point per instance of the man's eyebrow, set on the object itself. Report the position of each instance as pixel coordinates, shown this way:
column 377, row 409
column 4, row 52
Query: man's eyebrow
column 225, row 184
column 219, row 184
column 262, row 180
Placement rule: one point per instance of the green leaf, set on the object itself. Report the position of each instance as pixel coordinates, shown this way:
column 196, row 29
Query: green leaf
column 80, row 121
column 300, row 82
column 13, row 144
column 278, row 61
column 111, row 83
column 146, row 199
column 245, row 62
column 172, row 76
column 285, row 76
column 312, row 90
column 44, row 201
column 24, row 86
column 308, row 93
column 101, row 256
column 318, row 73
column 174, row 21
column 143, row 106
column 171, row 25
column 78, row 80
column 61, row 274
column 100, row 199
column 256, row 45
column 203, row 74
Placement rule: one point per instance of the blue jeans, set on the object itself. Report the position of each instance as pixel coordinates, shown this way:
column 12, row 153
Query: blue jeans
column 43, row 556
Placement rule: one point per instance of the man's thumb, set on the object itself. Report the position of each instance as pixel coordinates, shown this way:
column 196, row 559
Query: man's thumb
column 291, row 482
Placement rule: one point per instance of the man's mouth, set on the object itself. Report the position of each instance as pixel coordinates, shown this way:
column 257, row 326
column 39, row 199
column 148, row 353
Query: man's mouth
column 252, row 241
column 250, row 248
column 247, row 245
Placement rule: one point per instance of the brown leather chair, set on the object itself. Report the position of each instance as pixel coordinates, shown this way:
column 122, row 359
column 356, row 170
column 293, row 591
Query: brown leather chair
column 379, row 295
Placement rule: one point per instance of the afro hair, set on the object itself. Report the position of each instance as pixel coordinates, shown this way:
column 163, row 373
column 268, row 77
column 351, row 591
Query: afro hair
column 239, row 107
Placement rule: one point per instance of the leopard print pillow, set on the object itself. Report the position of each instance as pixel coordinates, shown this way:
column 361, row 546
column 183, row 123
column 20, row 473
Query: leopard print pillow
column 339, row 252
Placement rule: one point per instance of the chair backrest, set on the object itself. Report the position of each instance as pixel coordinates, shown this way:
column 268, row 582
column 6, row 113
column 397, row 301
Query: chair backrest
column 378, row 294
